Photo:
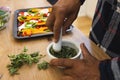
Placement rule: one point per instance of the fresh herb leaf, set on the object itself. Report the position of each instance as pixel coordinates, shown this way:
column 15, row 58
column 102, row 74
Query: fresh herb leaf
column 2, row 12
column 43, row 66
column 17, row 61
column 25, row 49
column 66, row 52
column 12, row 70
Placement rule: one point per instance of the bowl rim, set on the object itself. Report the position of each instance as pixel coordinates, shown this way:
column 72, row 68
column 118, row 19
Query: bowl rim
column 76, row 56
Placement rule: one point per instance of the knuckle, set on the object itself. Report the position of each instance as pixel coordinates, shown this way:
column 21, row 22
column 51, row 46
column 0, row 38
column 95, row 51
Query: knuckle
column 75, row 16
column 59, row 9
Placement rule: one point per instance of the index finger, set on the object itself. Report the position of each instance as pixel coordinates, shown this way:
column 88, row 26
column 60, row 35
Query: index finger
column 50, row 21
column 62, row 62
column 57, row 26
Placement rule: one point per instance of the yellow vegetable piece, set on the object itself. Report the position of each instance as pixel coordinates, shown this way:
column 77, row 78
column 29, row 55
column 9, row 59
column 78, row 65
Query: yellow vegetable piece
column 39, row 30
column 35, row 10
column 27, row 32
column 41, row 23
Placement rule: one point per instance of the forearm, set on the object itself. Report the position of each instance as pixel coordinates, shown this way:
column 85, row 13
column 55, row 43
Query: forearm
column 110, row 69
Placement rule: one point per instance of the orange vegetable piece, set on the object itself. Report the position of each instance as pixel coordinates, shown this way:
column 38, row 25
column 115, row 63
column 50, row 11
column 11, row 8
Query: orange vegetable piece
column 26, row 32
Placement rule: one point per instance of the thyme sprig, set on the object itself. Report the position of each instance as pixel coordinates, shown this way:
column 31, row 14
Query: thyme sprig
column 17, row 61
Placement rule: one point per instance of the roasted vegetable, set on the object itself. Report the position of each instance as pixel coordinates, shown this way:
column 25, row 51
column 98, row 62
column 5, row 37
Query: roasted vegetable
column 33, row 21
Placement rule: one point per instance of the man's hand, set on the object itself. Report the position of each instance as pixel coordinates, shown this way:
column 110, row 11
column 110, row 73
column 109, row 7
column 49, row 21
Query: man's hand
column 84, row 69
column 64, row 12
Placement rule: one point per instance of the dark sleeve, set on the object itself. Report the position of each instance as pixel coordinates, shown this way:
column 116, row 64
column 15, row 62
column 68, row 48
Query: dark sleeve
column 52, row 2
column 82, row 1
column 110, row 69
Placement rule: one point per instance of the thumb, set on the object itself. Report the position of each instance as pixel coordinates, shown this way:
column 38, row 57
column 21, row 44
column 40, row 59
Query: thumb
column 85, row 52
column 67, row 78
column 62, row 62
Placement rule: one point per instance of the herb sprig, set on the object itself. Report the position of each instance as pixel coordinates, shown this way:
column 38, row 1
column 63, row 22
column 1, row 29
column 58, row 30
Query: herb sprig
column 17, row 61
column 43, row 65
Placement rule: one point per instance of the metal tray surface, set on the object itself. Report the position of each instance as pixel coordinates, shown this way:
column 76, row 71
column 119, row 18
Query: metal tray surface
column 15, row 25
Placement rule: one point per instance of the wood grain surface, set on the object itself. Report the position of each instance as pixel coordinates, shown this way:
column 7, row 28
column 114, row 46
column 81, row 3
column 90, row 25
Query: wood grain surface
column 9, row 45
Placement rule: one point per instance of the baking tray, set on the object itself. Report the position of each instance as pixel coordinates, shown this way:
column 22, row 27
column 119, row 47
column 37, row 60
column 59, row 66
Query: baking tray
column 15, row 25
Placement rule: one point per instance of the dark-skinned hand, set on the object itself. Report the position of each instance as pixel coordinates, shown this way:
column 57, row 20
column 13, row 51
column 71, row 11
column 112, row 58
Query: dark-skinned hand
column 79, row 69
column 64, row 12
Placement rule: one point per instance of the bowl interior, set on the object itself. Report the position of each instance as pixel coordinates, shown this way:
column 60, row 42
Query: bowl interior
column 66, row 43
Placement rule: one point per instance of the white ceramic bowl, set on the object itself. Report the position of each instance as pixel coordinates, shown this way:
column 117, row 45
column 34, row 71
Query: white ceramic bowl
column 65, row 43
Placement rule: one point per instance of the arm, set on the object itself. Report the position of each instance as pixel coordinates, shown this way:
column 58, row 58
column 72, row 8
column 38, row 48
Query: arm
column 110, row 69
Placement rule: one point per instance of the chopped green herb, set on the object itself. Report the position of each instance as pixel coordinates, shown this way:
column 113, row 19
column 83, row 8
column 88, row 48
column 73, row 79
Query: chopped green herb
column 4, row 17
column 43, row 66
column 66, row 52
column 12, row 70
column 25, row 49
column 2, row 12
column 17, row 61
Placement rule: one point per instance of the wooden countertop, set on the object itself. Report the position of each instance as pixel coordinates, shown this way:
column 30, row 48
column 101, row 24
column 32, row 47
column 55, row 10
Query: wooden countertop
column 9, row 45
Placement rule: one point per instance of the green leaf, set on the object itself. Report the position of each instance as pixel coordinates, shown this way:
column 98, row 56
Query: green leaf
column 43, row 66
